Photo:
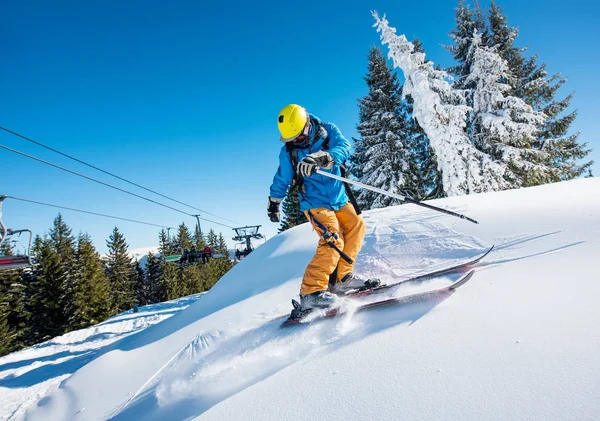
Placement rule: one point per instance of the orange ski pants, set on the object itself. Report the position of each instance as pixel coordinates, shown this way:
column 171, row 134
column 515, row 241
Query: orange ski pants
column 350, row 229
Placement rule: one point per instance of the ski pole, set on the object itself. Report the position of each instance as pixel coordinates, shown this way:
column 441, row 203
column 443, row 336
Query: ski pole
column 395, row 196
column 329, row 237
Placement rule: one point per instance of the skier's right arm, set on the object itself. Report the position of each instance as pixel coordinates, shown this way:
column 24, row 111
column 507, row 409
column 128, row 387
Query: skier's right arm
column 283, row 176
column 281, row 182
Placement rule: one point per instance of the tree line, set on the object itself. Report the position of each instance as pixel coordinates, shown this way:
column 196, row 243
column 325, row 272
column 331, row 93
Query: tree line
column 72, row 286
column 510, row 118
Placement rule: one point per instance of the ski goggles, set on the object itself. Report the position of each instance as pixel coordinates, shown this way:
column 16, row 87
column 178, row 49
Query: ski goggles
column 301, row 138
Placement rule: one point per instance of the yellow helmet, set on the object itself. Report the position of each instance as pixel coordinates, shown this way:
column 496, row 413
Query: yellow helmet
column 292, row 121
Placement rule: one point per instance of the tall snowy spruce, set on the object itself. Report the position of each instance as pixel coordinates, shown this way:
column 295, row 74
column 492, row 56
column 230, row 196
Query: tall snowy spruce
column 441, row 111
column 468, row 21
column 380, row 159
column 290, row 207
column 548, row 153
column 120, row 271
column 504, row 126
column 532, row 83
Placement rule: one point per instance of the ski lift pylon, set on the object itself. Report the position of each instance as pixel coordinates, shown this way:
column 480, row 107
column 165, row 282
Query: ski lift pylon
column 13, row 262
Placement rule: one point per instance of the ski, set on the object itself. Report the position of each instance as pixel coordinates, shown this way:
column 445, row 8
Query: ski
column 298, row 316
column 418, row 278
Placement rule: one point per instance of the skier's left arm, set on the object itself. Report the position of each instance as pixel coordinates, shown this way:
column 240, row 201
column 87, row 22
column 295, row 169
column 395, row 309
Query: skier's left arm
column 339, row 151
column 340, row 148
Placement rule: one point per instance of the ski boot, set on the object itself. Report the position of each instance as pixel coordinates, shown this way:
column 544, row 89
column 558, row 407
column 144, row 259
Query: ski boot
column 353, row 283
column 310, row 302
column 319, row 299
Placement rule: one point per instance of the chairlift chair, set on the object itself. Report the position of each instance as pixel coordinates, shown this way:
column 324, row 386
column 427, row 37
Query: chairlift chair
column 244, row 235
column 19, row 261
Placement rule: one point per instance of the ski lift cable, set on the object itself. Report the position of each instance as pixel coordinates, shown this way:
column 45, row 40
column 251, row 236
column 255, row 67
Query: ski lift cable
column 88, row 212
column 109, row 185
column 111, row 174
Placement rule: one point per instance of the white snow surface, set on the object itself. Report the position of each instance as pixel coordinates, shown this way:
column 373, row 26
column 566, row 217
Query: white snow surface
column 519, row 341
column 30, row 374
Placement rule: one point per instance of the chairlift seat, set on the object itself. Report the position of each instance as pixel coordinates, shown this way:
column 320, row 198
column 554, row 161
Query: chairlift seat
column 14, row 262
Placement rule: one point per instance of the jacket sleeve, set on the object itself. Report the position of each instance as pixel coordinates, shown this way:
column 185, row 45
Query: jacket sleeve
column 283, row 176
column 340, row 148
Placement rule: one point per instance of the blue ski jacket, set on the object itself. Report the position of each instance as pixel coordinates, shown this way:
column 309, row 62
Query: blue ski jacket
column 319, row 191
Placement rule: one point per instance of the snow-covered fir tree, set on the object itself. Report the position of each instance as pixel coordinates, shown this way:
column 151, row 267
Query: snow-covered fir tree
column 467, row 22
column 503, row 126
column 530, row 81
column 380, row 159
column 442, row 113
column 290, row 207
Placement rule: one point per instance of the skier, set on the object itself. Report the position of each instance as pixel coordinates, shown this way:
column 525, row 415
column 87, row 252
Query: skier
column 309, row 144
column 206, row 254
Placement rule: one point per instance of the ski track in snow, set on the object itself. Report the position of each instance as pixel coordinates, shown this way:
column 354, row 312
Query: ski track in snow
column 217, row 365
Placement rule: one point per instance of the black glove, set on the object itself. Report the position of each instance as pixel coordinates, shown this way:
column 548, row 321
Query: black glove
column 273, row 209
column 309, row 163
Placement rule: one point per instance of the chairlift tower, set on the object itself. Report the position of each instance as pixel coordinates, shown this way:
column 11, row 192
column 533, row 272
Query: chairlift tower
column 245, row 235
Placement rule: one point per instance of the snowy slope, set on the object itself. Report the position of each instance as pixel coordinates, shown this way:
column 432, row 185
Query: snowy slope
column 520, row 341
column 30, row 374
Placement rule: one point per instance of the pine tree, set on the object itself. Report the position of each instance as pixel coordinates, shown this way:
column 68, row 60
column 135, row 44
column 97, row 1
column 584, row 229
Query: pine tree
column 170, row 278
column 6, row 249
column 63, row 243
column 381, row 156
column 292, row 215
column 164, row 243
column 441, row 111
column 183, row 237
column 13, row 317
column 91, row 289
column 531, row 83
column 120, row 272
column 212, row 240
column 504, row 126
column 6, row 333
column 44, row 294
column 467, row 22
column 156, row 293
column 222, row 246
column 140, row 286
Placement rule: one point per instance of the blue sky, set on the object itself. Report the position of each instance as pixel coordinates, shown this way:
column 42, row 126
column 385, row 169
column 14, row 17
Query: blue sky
column 182, row 97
